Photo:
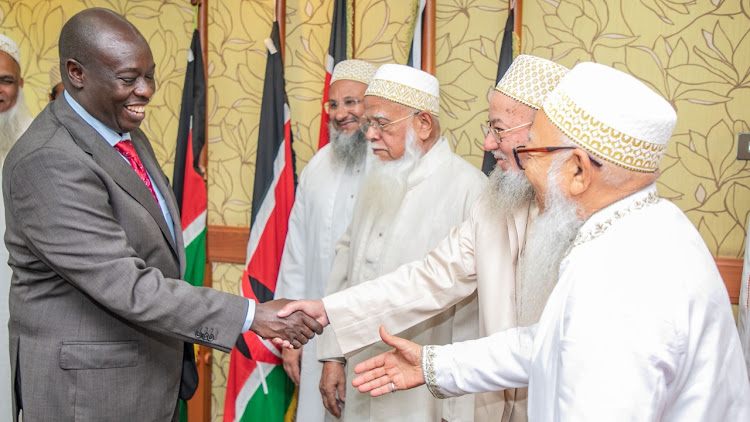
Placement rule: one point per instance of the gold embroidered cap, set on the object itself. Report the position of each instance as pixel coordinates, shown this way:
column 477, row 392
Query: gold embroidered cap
column 529, row 79
column 9, row 46
column 612, row 115
column 406, row 85
column 354, row 70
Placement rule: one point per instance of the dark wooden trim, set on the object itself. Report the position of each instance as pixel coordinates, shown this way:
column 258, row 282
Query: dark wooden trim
column 229, row 244
column 428, row 37
column 731, row 271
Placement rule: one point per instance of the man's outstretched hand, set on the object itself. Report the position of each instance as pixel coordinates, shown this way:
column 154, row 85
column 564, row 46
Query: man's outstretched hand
column 402, row 367
column 295, row 329
column 313, row 308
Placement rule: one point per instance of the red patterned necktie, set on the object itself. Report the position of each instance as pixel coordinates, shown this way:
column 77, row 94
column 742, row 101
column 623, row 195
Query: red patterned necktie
column 126, row 148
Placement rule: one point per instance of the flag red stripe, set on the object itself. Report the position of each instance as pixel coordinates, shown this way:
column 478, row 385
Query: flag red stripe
column 323, row 136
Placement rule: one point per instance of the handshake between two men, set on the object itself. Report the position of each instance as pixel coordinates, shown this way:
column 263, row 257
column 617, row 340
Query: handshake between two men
column 280, row 320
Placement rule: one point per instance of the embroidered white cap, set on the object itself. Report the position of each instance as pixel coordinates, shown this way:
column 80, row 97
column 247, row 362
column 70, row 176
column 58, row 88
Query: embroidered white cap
column 10, row 47
column 354, row 70
column 612, row 115
column 406, row 85
column 529, row 79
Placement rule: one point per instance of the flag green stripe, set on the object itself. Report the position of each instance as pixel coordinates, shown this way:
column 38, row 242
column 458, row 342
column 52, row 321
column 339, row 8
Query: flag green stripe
column 270, row 407
column 195, row 254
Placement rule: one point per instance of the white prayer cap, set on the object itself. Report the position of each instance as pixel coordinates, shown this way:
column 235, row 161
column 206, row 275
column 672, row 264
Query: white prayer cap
column 354, row 70
column 406, row 85
column 529, row 79
column 613, row 116
column 9, row 46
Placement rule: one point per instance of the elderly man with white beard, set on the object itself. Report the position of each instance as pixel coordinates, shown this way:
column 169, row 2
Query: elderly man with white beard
column 416, row 190
column 14, row 120
column 323, row 207
column 481, row 254
column 639, row 325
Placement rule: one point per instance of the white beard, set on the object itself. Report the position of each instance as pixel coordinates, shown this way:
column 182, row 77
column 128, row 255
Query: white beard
column 348, row 150
column 506, row 191
column 550, row 235
column 13, row 123
column 384, row 187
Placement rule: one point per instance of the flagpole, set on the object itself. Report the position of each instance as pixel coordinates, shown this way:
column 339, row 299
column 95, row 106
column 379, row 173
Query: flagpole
column 428, row 38
column 281, row 19
column 199, row 407
column 517, row 19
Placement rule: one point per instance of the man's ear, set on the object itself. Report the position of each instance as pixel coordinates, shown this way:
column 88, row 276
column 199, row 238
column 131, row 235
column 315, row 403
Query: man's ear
column 580, row 171
column 424, row 123
column 75, row 73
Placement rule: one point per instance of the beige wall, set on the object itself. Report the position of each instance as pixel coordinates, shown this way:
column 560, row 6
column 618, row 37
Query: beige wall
column 695, row 54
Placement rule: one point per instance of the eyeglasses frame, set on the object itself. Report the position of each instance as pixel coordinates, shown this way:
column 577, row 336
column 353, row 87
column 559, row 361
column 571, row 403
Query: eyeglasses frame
column 365, row 125
column 496, row 133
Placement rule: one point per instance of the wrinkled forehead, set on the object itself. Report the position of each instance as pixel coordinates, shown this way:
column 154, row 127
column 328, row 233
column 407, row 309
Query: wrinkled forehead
column 8, row 66
column 504, row 109
column 347, row 88
column 377, row 107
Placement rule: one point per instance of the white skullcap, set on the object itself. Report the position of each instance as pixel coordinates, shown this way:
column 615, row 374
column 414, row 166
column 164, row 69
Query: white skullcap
column 529, row 79
column 9, row 46
column 406, row 85
column 612, row 115
column 54, row 76
column 354, row 70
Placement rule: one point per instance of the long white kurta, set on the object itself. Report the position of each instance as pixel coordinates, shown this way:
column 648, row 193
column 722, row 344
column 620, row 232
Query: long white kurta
column 440, row 192
column 743, row 308
column 639, row 327
column 322, row 209
column 479, row 255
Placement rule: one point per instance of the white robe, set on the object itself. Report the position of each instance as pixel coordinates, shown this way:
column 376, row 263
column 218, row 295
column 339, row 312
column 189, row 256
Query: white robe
column 440, row 193
column 743, row 308
column 639, row 327
column 479, row 255
column 323, row 207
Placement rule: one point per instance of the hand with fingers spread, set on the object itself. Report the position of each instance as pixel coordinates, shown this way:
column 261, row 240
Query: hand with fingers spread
column 295, row 328
column 399, row 369
column 313, row 308
column 291, row 359
column 333, row 387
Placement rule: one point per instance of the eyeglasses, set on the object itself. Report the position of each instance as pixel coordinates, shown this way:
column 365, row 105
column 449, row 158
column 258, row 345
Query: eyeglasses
column 487, row 129
column 367, row 124
column 332, row 106
column 517, row 151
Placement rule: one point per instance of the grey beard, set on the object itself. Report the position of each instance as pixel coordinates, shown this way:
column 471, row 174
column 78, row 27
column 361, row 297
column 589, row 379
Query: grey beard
column 550, row 235
column 13, row 123
column 385, row 185
column 348, row 150
column 507, row 191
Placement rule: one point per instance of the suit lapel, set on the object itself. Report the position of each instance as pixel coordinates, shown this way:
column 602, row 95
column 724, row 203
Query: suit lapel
column 157, row 176
column 112, row 162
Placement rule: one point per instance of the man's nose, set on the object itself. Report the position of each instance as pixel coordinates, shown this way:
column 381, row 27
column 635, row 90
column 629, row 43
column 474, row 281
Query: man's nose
column 490, row 142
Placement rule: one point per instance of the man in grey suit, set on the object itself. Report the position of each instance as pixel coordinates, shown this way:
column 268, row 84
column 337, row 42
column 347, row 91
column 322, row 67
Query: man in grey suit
column 99, row 318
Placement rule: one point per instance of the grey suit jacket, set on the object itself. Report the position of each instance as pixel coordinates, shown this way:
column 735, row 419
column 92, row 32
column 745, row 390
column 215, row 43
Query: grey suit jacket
column 98, row 313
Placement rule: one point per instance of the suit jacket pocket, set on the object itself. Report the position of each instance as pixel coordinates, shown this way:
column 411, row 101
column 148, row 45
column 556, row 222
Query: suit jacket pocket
column 98, row 355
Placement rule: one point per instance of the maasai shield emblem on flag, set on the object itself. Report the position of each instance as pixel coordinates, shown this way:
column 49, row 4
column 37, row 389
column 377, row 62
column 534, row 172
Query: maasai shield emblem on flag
column 507, row 54
column 336, row 52
column 258, row 389
column 190, row 188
